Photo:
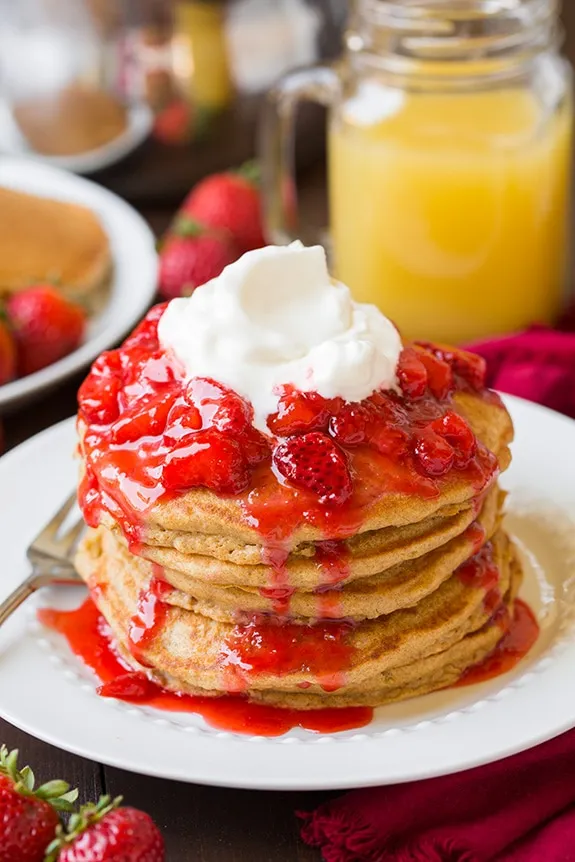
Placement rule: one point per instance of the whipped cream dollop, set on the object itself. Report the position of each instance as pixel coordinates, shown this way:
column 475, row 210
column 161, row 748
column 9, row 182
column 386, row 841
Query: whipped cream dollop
column 275, row 317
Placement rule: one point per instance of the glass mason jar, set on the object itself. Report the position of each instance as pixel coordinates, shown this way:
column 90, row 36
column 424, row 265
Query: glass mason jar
column 449, row 163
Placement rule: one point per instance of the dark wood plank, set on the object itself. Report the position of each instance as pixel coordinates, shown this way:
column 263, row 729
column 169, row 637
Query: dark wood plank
column 208, row 824
column 48, row 762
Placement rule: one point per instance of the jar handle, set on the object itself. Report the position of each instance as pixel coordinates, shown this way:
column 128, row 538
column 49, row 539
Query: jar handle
column 319, row 84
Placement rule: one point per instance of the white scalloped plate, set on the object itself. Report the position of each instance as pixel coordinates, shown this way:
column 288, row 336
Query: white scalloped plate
column 46, row 691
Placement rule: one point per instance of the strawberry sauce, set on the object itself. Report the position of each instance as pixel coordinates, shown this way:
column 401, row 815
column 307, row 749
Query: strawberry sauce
column 89, row 638
column 268, row 646
column 522, row 632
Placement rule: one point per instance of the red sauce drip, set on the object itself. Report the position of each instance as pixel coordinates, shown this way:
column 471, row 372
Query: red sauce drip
column 476, row 533
column 480, row 572
column 522, row 632
column 333, row 557
column 320, row 651
column 280, row 598
column 148, row 619
column 89, row 638
column 329, row 605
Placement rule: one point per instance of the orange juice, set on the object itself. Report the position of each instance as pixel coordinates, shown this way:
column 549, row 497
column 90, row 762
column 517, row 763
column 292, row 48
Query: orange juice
column 450, row 210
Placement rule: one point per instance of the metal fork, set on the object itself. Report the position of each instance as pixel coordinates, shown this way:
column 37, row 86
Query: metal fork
column 50, row 555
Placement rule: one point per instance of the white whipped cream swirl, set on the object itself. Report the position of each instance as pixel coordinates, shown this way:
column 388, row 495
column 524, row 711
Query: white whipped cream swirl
column 275, row 317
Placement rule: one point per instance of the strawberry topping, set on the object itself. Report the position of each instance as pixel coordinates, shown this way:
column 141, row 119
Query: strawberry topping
column 315, row 463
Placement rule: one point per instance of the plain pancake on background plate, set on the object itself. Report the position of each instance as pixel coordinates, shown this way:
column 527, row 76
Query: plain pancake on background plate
column 47, row 240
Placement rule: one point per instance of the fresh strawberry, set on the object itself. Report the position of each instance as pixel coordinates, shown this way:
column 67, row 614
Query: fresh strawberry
column 175, row 123
column 46, row 327
column 192, row 256
column 28, row 817
column 229, row 201
column 207, row 458
column 314, row 462
column 107, row 833
column 7, row 352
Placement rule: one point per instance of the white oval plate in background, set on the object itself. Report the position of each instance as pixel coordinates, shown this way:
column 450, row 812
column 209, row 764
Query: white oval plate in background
column 134, row 276
column 47, row 692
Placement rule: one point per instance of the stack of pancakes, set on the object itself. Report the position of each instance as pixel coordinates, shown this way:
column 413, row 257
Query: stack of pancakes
column 422, row 590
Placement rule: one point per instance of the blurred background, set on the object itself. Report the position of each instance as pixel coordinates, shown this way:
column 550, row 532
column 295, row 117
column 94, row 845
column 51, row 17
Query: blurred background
column 174, row 86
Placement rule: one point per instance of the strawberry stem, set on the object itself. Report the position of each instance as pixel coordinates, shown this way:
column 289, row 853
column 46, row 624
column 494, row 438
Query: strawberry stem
column 250, row 171
column 57, row 793
column 79, row 822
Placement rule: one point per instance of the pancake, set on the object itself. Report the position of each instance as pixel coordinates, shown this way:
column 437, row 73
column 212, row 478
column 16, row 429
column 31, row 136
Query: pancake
column 401, row 585
column 206, row 654
column 50, row 240
column 363, row 556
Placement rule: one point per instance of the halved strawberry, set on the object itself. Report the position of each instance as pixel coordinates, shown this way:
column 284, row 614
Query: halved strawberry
column 314, row 462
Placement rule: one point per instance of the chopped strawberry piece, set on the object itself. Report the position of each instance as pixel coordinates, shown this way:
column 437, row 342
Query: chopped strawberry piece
column 439, row 374
column 218, row 406
column 132, row 686
column 459, row 435
column 145, row 335
column 349, row 426
column 313, row 462
column 299, row 412
column 433, row 454
column 183, row 419
column 412, row 374
column 98, row 394
column 142, row 421
column 469, row 367
column 210, row 459
column 255, row 446
column 390, row 441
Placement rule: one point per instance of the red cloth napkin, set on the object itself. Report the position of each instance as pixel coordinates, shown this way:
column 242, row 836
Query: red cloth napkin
column 521, row 809
column 517, row 810
column 538, row 364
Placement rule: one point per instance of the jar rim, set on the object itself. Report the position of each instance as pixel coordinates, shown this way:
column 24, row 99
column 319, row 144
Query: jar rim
column 489, row 38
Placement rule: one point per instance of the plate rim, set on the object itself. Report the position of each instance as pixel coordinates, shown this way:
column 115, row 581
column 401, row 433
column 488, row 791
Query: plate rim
column 315, row 754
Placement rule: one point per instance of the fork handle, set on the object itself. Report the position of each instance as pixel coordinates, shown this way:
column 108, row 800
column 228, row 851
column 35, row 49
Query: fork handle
column 20, row 594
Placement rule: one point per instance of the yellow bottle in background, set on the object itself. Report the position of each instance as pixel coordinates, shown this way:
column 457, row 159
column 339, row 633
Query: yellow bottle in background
column 201, row 57
column 450, row 211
